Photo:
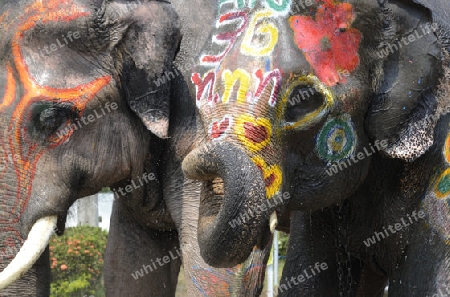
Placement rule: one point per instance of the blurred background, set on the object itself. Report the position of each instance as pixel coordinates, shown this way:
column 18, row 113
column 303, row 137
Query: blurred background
column 76, row 258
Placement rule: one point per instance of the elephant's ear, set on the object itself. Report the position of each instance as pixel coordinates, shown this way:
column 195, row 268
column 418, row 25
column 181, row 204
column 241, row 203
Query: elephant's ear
column 407, row 102
column 147, row 49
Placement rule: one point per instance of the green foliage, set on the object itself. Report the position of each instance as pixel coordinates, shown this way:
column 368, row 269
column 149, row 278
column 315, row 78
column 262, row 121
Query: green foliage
column 76, row 260
column 283, row 240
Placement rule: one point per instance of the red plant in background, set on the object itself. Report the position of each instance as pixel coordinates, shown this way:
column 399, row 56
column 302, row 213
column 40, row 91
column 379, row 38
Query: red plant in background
column 76, row 261
column 329, row 43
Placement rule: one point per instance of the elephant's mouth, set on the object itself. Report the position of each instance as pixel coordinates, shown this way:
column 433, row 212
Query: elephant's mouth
column 61, row 224
column 211, row 199
column 233, row 187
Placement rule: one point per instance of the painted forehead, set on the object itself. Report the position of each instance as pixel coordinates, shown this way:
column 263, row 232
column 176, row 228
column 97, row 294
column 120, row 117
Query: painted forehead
column 325, row 37
column 328, row 40
column 17, row 141
column 40, row 14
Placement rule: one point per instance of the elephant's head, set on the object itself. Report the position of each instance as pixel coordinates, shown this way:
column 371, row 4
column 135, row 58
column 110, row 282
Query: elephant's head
column 79, row 109
column 296, row 96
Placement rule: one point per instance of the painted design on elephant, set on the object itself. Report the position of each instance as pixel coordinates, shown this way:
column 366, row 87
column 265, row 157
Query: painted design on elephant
column 438, row 209
column 437, row 200
column 210, row 282
column 336, row 140
column 230, row 78
column 207, row 82
column 247, row 48
column 329, row 43
column 12, row 242
column 442, row 185
column 205, row 86
column 273, row 176
column 3, row 16
column 33, row 93
column 260, row 37
column 8, row 98
column 254, row 133
column 218, row 129
column 265, row 79
column 312, row 82
column 228, row 38
column 447, row 149
column 254, row 269
column 280, row 6
column 238, row 3
column 10, row 89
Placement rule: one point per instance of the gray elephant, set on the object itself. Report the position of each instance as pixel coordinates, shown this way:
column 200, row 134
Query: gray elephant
column 80, row 110
column 337, row 110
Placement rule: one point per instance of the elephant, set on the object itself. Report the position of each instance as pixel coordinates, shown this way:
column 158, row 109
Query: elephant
column 82, row 108
column 338, row 113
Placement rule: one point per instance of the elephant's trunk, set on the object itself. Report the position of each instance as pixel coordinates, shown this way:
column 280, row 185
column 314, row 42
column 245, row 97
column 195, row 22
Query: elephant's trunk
column 30, row 251
column 230, row 223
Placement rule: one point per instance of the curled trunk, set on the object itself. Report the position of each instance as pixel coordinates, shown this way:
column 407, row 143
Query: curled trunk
column 229, row 225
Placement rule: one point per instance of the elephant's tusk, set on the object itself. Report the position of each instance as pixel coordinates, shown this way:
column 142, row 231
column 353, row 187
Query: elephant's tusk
column 30, row 251
column 273, row 221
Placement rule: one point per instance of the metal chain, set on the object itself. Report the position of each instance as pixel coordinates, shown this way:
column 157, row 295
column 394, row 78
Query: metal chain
column 343, row 256
column 349, row 262
column 339, row 258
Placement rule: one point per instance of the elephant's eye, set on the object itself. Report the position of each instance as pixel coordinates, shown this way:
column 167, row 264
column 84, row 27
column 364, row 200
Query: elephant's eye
column 303, row 100
column 52, row 118
column 49, row 118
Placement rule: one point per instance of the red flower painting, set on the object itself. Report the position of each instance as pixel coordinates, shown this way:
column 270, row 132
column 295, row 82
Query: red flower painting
column 328, row 42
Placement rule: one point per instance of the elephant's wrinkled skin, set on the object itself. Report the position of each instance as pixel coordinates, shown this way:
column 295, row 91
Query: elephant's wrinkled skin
column 180, row 195
column 80, row 111
column 50, row 154
column 343, row 105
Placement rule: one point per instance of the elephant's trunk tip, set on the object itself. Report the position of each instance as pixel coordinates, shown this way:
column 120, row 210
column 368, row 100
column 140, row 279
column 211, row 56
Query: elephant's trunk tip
column 230, row 223
column 198, row 165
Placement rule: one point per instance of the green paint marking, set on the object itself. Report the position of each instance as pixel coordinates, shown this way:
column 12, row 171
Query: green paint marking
column 252, row 3
column 278, row 7
column 326, row 145
column 238, row 3
column 273, row 4
column 444, row 185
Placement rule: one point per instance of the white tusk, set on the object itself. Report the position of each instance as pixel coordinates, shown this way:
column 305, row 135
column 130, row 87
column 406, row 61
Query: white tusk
column 273, row 221
column 30, row 251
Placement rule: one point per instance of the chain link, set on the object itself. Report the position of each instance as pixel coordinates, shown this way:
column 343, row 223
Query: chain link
column 343, row 256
